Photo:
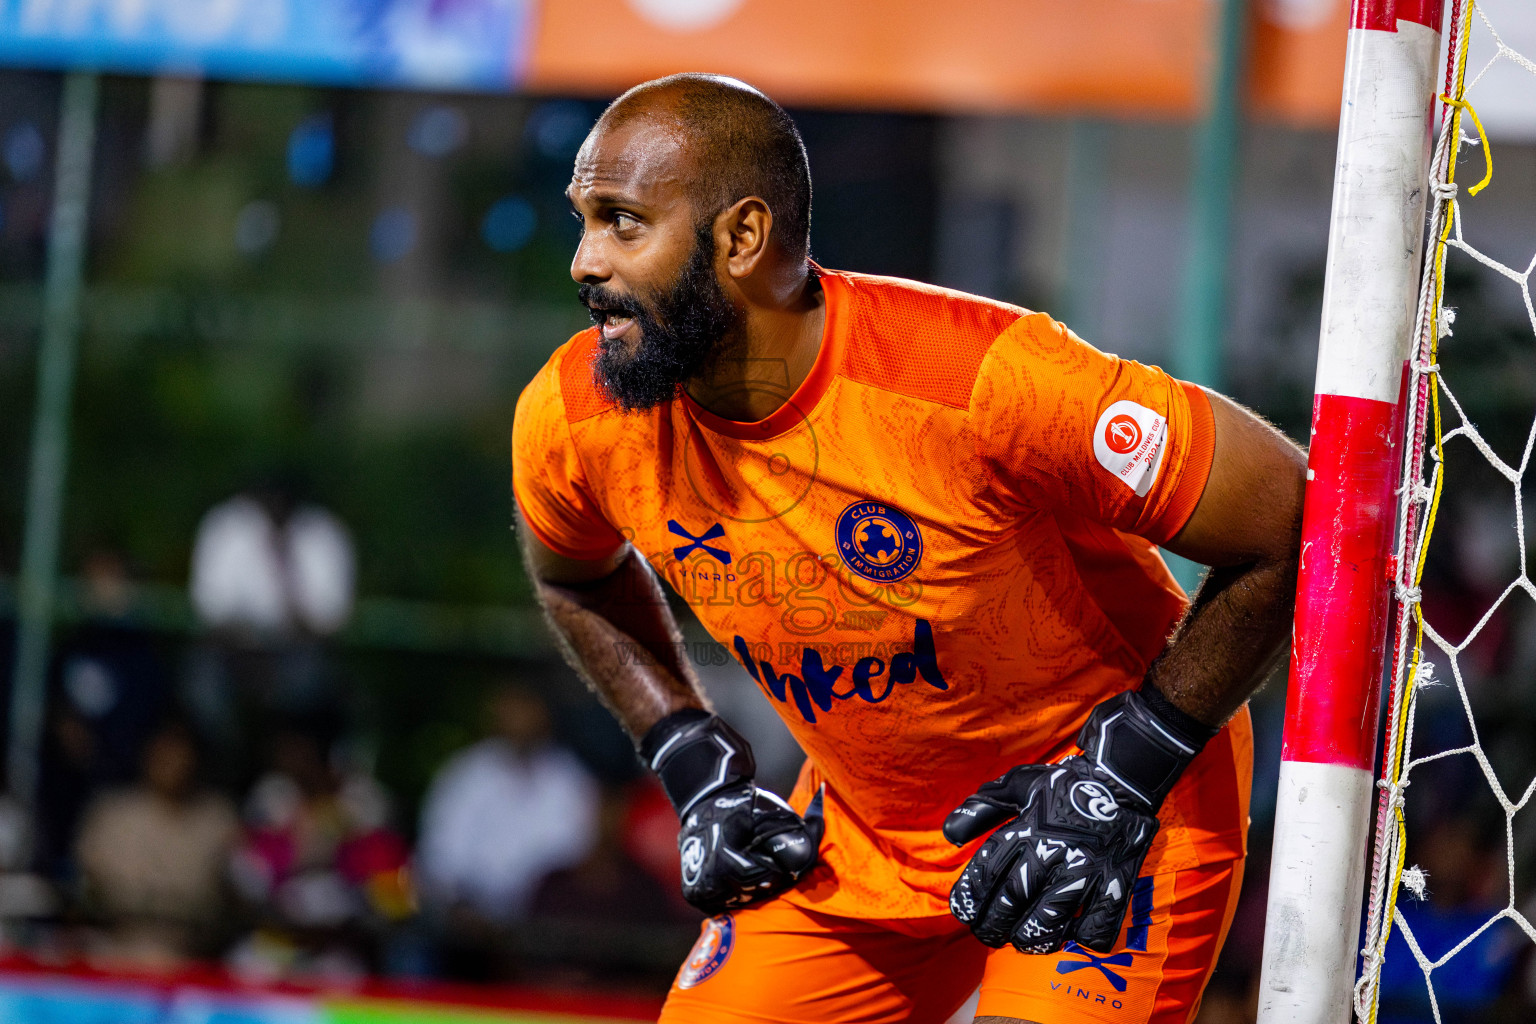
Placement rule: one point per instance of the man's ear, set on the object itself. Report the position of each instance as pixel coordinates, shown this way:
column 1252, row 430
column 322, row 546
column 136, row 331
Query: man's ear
column 743, row 231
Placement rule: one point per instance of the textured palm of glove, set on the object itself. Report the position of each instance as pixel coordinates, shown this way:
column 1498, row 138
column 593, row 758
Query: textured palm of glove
column 738, row 843
column 1062, row 869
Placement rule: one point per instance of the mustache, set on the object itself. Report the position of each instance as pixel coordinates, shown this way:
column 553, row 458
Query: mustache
column 603, row 302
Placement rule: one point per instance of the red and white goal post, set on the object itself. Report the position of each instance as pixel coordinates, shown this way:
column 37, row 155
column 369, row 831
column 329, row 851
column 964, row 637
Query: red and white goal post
column 1327, row 774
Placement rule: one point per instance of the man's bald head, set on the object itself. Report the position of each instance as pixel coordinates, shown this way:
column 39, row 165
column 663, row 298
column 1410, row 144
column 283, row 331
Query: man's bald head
column 742, row 144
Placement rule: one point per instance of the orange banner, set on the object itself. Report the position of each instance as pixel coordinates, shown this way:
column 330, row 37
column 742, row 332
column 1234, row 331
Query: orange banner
column 1296, row 61
column 1141, row 57
column 1125, row 58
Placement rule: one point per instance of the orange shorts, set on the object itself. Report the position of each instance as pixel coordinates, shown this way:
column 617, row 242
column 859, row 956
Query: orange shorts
column 777, row 963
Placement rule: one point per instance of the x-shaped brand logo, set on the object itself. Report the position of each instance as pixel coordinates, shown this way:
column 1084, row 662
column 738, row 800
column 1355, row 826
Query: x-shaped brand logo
column 1118, row 960
column 716, row 532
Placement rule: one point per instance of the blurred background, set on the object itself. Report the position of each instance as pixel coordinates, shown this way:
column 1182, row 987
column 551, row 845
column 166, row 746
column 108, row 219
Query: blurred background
column 284, row 728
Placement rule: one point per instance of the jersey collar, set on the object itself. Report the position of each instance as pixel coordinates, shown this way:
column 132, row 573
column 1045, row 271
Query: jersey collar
column 800, row 405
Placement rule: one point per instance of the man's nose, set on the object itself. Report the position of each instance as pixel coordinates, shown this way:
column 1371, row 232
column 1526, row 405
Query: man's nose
column 588, row 265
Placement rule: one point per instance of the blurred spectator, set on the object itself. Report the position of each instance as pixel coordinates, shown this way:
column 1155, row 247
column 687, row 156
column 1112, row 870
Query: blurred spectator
column 265, row 567
column 25, row 897
column 69, row 779
column 271, row 579
column 319, row 863
column 107, row 696
column 650, row 835
column 110, row 672
column 154, row 857
column 504, row 813
column 608, row 919
column 611, row 885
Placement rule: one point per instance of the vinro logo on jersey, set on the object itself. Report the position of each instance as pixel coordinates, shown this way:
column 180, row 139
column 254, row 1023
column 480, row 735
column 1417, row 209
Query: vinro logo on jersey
column 699, row 543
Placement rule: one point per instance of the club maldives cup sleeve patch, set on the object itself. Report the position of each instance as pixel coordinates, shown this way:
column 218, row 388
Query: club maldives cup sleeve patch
column 1128, row 441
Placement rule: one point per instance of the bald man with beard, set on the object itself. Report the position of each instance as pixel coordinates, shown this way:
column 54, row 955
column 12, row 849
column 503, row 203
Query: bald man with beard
column 925, row 524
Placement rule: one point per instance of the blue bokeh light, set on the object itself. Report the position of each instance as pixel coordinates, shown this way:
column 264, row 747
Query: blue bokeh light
column 393, row 235
column 312, row 151
column 438, row 131
column 24, row 150
column 509, row 224
column 557, row 127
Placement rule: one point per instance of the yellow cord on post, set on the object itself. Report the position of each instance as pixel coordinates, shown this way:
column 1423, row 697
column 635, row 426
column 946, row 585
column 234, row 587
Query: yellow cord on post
column 1394, row 768
column 1482, row 137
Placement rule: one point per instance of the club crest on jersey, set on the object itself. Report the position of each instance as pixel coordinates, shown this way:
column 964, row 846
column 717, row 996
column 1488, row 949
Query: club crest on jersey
column 709, row 953
column 878, row 541
column 1128, row 442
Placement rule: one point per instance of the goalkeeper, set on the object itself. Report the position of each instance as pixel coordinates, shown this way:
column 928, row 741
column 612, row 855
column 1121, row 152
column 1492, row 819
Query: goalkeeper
column 926, row 524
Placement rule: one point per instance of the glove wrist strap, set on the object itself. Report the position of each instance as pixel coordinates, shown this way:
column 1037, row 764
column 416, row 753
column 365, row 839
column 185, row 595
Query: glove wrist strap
column 1143, row 742
column 694, row 753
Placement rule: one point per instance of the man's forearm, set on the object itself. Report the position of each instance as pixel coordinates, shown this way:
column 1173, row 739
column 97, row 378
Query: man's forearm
column 620, row 636
column 1230, row 640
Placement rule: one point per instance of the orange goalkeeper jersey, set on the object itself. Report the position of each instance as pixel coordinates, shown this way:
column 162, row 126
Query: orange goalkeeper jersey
column 933, row 559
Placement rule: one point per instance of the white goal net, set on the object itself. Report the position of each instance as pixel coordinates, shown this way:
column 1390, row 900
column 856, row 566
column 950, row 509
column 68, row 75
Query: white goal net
column 1448, row 927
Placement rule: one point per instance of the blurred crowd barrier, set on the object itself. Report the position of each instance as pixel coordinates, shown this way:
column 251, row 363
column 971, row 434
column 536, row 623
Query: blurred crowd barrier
column 192, row 997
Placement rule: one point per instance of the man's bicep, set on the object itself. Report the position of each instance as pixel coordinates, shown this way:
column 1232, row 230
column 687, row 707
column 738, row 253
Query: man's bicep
column 1250, row 509
column 546, row 565
column 1064, row 425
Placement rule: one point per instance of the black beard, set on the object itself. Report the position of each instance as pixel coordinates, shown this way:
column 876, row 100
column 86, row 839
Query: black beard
column 681, row 330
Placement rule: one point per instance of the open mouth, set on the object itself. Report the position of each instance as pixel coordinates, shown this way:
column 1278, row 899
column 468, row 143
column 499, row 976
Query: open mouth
column 614, row 326
column 614, row 323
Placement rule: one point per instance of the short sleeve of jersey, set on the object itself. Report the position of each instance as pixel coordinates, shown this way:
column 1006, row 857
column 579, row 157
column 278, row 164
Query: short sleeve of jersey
column 548, row 479
column 1061, row 424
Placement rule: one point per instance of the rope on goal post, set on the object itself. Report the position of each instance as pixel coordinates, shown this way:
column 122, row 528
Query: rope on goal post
column 1418, row 507
column 1392, row 829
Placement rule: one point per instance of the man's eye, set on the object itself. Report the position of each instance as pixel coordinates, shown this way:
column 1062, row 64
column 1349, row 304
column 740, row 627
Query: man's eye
column 624, row 222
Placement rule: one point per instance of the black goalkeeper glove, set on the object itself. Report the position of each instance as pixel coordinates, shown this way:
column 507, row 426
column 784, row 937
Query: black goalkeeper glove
column 1061, row 870
column 738, row 843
